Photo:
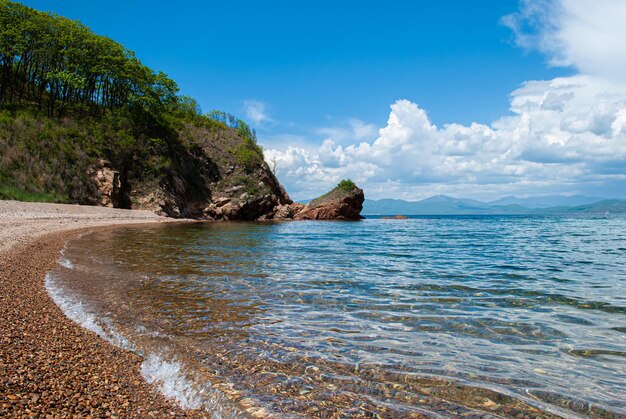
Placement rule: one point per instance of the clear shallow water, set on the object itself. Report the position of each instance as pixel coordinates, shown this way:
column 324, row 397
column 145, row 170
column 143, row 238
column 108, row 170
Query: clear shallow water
column 441, row 315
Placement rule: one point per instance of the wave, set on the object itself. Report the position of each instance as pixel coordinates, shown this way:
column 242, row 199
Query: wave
column 166, row 375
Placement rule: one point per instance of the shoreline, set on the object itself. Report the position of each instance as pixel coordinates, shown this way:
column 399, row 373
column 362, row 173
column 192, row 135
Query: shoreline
column 48, row 363
column 51, row 365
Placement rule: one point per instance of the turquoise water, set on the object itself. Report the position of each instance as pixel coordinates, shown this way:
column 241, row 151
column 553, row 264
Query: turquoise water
column 451, row 315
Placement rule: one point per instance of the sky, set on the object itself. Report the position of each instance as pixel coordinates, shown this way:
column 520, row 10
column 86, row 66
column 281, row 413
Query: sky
column 477, row 99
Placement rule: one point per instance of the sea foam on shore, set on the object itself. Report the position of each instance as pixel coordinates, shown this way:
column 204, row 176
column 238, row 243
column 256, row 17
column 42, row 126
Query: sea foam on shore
column 166, row 375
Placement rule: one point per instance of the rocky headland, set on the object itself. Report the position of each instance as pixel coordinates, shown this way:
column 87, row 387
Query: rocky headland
column 233, row 193
column 119, row 134
column 345, row 202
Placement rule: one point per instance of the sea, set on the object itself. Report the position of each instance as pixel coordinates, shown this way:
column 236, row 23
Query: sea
column 432, row 316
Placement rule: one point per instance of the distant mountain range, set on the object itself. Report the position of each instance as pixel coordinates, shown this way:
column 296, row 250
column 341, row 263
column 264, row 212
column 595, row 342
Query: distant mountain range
column 445, row 205
column 548, row 201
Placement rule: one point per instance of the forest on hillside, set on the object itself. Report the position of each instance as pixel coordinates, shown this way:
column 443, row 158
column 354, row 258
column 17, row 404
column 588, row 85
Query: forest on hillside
column 61, row 66
column 70, row 98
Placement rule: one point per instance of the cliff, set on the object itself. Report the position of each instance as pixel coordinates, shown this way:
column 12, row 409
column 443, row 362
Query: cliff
column 219, row 175
column 104, row 129
column 196, row 167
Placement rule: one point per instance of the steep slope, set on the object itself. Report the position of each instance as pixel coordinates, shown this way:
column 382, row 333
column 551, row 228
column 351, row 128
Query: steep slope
column 82, row 120
column 241, row 187
column 196, row 168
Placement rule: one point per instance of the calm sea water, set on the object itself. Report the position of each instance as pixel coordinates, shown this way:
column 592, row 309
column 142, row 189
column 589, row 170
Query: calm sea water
column 446, row 316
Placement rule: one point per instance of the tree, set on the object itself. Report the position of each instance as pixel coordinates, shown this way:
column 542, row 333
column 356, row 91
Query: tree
column 64, row 67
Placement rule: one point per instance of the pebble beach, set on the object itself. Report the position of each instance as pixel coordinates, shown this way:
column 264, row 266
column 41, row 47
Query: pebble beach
column 49, row 365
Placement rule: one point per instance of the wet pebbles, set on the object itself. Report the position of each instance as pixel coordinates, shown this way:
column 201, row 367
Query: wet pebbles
column 50, row 366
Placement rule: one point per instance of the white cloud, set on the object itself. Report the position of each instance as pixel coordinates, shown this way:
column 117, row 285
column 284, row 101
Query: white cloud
column 355, row 130
column 256, row 111
column 566, row 135
column 586, row 34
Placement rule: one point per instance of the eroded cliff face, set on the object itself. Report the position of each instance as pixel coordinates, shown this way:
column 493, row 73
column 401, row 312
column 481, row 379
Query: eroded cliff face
column 218, row 175
column 256, row 196
column 108, row 184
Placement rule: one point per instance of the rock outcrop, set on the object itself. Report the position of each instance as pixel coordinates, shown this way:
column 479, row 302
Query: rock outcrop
column 219, row 176
column 286, row 212
column 345, row 202
column 108, row 184
column 257, row 196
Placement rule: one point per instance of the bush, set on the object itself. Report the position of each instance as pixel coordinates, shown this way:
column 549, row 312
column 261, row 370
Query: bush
column 346, row 185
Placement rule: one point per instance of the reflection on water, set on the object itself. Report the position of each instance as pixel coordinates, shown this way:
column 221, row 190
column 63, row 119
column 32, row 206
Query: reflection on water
column 441, row 315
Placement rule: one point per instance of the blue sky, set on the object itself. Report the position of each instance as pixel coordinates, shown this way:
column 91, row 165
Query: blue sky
column 317, row 80
column 326, row 61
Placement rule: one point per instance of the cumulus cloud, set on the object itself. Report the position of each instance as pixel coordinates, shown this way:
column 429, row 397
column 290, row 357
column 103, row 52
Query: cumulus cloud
column 560, row 136
column 256, row 111
column 588, row 35
column 355, row 130
column 566, row 135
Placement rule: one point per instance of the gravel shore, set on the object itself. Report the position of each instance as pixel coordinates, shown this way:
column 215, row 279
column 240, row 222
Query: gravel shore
column 49, row 365
column 52, row 367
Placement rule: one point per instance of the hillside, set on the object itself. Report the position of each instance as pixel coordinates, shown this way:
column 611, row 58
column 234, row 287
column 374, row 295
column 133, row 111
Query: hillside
column 82, row 120
column 438, row 205
column 610, row 206
column 445, row 205
column 547, row 201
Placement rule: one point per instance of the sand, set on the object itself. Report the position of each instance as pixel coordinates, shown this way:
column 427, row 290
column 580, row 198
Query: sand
column 49, row 365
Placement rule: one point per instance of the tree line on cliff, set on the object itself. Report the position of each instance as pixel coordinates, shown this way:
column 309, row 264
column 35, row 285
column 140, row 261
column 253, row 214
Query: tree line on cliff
column 61, row 66
column 70, row 98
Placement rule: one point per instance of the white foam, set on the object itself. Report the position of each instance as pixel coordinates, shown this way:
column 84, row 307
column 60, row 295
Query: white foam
column 168, row 377
column 75, row 310
column 173, row 382
column 165, row 375
column 64, row 261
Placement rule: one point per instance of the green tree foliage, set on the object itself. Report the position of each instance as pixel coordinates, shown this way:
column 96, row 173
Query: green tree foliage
column 346, row 185
column 70, row 98
column 62, row 67
column 232, row 121
column 249, row 154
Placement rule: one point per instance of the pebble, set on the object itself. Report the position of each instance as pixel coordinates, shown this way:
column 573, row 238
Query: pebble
column 50, row 366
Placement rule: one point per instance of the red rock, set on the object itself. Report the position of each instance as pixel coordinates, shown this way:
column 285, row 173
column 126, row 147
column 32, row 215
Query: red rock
column 338, row 204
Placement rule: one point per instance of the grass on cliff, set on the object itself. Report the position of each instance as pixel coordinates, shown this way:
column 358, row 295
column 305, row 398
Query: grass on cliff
column 50, row 159
column 13, row 193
